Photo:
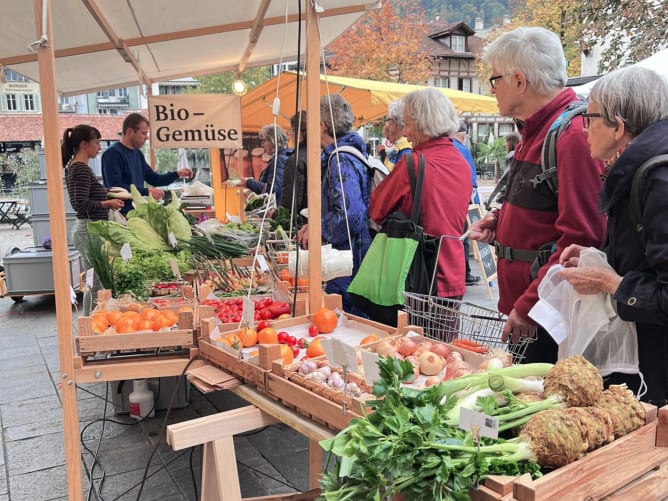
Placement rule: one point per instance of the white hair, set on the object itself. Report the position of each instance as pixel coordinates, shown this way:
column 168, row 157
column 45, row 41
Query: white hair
column 432, row 111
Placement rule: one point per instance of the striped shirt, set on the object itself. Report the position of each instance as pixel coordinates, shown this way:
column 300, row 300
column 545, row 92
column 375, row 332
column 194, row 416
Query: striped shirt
column 86, row 192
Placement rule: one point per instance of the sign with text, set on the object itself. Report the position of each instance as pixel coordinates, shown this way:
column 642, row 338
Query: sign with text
column 195, row 121
column 484, row 253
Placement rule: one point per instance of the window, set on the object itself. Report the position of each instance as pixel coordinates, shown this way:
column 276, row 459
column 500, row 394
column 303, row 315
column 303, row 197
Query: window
column 483, row 132
column 12, row 76
column 442, row 82
column 29, row 102
column 458, row 43
column 505, row 129
column 123, row 92
column 12, row 104
column 465, row 84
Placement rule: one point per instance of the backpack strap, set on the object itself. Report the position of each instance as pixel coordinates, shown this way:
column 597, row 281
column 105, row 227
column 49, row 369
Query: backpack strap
column 353, row 151
column 416, row 186
column 636, row 204
column 548, row 154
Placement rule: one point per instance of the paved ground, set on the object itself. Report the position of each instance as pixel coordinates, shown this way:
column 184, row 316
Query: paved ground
column 32, row 463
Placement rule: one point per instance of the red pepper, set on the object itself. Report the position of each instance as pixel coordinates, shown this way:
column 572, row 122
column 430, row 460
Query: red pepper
column 277, row 309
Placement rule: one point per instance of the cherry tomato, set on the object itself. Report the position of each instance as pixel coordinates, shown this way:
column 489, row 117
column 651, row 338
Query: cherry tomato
column 265, row 314
column 295, row 351
column 291, row 341
column 263, row 324
column 302, row 342
column 313, row 331
column 282, row 337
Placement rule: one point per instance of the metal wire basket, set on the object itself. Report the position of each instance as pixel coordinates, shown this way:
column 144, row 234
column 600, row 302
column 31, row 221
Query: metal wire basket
column 446, row 319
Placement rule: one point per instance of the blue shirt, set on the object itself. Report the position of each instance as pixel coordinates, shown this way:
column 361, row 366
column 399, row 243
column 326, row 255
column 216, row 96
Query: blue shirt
column 466, row 153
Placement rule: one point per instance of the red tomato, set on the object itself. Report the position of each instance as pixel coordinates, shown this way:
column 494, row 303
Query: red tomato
column 283, row 337
column 263, row 324
column 302, row 342
column 313, row 331
column 291, row 341
column 265, row 314
column 295, row 351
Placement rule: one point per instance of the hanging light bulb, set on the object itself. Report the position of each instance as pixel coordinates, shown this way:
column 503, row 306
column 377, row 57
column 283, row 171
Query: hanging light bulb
column 239, row 87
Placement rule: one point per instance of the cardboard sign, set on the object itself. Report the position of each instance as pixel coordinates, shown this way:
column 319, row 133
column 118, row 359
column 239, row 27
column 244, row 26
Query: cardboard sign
column 195, row 121
column 489, row 426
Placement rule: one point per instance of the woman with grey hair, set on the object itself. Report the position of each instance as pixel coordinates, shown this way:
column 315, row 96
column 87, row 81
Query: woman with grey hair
column 393, row 131
column 275, row 143
column 429, row 121
column 346, row 186
column 627, row 124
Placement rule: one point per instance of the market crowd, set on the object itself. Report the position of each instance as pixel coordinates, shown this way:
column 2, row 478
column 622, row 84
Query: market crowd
column 546, row 219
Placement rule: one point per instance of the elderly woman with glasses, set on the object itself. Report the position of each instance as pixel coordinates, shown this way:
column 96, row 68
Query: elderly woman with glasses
column 627, row 124
column 393, row 131
column 275, row 143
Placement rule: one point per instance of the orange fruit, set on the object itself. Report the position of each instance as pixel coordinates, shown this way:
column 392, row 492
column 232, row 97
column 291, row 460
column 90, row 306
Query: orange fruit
column 267, row 335
column 284, row 275
column 98, row 325
column 113, row 316
column 371, row 338
column 133, row 307
column 325, row 319
column 125, row 325
column 131, row 315
column 161, row 321
column 233, row 341
column 148, row 313
column 145, row 325
column 171, row 315
column 315, row 349
column 286, row 354
column 248, row 337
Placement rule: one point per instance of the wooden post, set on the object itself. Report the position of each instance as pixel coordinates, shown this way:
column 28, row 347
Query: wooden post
column 61, row 278
column 313, row 156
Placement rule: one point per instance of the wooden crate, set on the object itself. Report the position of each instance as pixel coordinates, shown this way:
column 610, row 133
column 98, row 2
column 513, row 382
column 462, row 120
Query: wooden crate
column 88, row 343
column 624, row 466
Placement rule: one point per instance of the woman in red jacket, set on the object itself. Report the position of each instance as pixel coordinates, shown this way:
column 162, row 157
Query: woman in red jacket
column 429, row 120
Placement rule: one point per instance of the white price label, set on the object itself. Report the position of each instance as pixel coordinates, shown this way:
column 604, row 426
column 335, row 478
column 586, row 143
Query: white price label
column 214, row 333
column 175, row 269
column 340, row 354
column 73, row 295
column 248, row 313
column 126, row 252
column 172, row 239
column 489, row 426
column 90, row 275
column 262, row 263
column 371, row 369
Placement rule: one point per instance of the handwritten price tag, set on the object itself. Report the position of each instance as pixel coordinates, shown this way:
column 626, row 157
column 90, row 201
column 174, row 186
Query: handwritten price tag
column 126, row 252
column 172, row 239
column 175, row 269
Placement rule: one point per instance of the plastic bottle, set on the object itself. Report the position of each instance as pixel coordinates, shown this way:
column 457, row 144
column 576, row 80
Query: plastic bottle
column 141, row 400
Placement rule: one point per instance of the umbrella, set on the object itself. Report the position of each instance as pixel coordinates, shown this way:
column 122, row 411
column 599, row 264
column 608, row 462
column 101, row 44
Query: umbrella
column 368, row 99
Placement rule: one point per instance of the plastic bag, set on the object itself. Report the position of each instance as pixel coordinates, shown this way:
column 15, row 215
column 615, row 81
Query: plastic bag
column 335, row 263
column 197, row 189
column 586, row 325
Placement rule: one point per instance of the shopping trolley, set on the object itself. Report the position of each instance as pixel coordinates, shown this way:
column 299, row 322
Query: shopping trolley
column 445, row 319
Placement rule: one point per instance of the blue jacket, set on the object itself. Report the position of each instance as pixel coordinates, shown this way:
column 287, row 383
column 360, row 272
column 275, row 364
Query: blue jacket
column 264, row 183
column 122, row 166
column 357, row 188
column 466, row 153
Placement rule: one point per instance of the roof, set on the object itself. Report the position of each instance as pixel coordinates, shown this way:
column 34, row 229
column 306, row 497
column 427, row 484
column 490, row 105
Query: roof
column 28, row 127
column 103, row 44
column 438, row 30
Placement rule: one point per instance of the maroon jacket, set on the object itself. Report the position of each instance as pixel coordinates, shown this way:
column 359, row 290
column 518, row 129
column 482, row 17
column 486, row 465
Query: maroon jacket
column 531, row 217
column 445, row 200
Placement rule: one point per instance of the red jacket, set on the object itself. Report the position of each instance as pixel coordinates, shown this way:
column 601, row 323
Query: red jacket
column 445, row 200
column 531, row 217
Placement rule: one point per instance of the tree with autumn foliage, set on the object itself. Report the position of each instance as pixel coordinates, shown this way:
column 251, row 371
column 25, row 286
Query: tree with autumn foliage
column 384, row 45
column 221, row 83
column 629, row 30
column 559, row 16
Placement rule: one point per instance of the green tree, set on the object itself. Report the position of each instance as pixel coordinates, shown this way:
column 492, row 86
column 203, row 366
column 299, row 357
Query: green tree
column 630, row 30
column 384, row 45
column 221, row 83
column 25, row 167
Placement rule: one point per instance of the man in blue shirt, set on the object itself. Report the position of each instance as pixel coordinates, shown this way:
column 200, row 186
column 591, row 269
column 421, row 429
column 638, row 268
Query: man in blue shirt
column 459, row 140
column 124, row 164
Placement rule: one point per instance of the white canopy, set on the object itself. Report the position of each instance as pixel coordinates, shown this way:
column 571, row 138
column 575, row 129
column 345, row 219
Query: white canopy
column 657, row 62
column 101, row 44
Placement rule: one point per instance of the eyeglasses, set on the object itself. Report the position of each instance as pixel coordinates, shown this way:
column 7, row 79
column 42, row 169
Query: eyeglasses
column 586, row 118
column 388, row 120
column 492, row 81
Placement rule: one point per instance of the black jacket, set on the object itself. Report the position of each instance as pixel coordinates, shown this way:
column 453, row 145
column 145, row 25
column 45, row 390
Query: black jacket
column 642, row 259
column 294, row 180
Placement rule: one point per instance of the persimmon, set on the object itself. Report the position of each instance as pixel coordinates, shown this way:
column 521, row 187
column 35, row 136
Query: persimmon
column 131, row 315
column 315, row 349
column 371, row 338
column 286, row 354
column 233, row 341
column 325, row 319
column 125, row 325
column 99, row 325
column 267, row 335
column 248, row 337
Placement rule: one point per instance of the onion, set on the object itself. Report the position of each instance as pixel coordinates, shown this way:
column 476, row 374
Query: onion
column 430, row 364
column 440, row 349
column 407, row 347
column 432, row 381
column 386, row 347
column 454, row 356
column 457, row 369
column 494, row 363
